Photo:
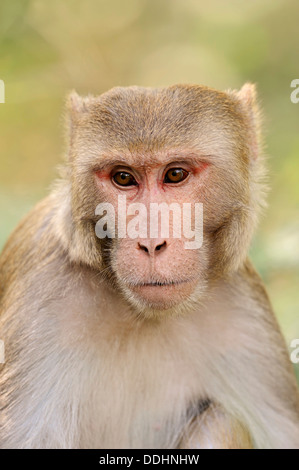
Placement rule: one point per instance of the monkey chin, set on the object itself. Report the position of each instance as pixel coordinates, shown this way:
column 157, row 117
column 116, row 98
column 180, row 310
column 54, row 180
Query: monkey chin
column 164, row 300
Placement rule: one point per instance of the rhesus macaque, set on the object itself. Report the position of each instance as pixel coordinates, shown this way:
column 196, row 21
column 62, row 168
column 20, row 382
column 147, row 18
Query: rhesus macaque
column 138, row 342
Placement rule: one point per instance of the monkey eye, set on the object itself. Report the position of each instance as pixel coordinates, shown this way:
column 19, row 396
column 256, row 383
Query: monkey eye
column 175, row 175
column 122, row 178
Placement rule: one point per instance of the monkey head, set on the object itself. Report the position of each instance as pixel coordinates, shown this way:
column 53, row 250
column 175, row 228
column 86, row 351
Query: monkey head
column 182, row 146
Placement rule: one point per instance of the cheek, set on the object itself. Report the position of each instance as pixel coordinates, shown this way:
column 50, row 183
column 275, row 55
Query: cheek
column 221, row 197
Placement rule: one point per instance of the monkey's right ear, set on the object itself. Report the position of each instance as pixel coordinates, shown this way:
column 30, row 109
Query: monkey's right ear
column 76, row 107
column 76, row 104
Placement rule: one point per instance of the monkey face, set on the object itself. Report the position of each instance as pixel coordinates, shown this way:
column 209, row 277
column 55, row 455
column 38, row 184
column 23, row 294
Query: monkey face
column 141, row 159
column 156, row 253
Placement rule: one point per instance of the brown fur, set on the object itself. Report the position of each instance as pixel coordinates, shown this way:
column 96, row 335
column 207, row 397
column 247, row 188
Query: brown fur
column 91, row 362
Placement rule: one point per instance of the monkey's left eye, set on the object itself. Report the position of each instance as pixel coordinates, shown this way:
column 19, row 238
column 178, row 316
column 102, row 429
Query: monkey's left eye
column 175, row 175
column 122, row 178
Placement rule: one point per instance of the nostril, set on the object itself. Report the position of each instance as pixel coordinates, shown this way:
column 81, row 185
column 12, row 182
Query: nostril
column 159, row 247
column 142, row 247
column 151, row 249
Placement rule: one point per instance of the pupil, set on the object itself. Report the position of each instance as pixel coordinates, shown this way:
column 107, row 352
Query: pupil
column 176, row 174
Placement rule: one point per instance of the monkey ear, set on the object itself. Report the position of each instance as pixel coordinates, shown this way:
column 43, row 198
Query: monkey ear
column 248, row 99
column 247, row 95
column 76, row 107
column 74, row 102
column 73, row 107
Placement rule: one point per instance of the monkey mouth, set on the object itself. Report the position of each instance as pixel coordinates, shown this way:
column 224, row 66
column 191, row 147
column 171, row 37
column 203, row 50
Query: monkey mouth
column 161, row 294
column 160, row 283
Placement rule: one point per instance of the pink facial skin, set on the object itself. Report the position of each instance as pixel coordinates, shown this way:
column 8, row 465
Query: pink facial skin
column 160, row 277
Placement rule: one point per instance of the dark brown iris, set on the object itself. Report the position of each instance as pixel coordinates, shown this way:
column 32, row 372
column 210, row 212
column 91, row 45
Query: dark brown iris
column 122, row 178
column 175, row 175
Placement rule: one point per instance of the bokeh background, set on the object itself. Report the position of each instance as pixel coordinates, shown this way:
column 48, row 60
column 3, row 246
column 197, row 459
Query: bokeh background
column 49, row 48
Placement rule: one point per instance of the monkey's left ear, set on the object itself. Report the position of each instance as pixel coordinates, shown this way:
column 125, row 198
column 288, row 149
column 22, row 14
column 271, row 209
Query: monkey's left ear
column 248, row 100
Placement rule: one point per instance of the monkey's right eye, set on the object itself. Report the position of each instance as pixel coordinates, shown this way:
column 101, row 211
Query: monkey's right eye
column 122, row 178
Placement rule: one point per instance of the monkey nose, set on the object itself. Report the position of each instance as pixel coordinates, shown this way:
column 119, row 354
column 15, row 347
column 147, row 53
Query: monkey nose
column 152, row 247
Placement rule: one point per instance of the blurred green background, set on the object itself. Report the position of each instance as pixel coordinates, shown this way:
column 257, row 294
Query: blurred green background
column 49, row 48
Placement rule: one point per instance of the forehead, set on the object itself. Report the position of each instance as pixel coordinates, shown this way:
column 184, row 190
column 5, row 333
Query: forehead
column 143, row 121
